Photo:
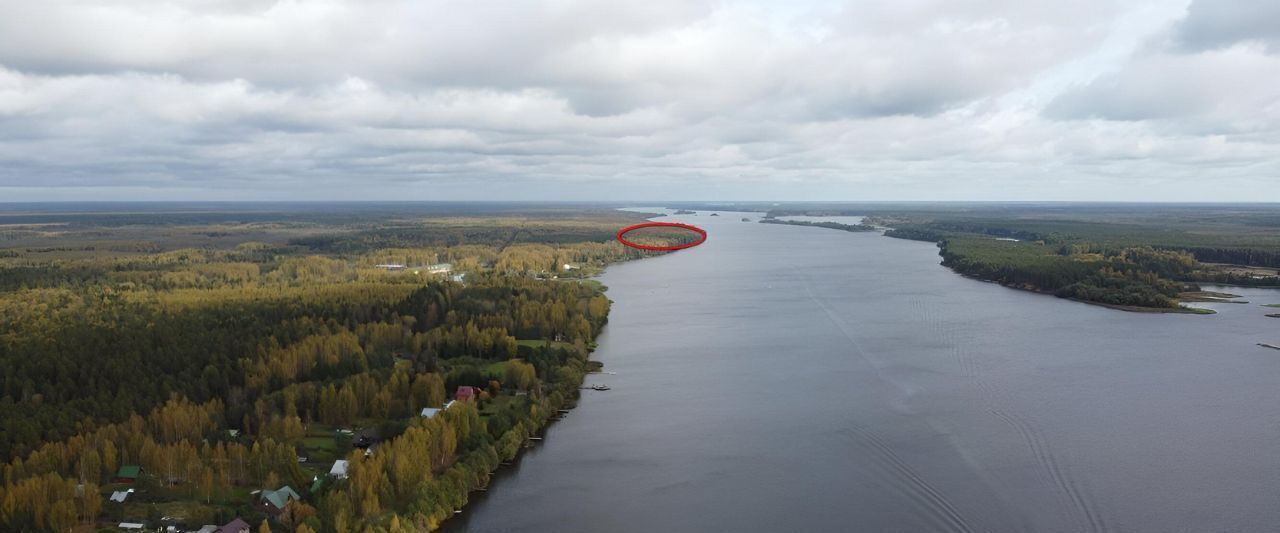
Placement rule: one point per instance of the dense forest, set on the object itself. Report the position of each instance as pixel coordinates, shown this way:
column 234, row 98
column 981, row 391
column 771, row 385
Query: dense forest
column 828, row 225
column 1131, row 256
column 226, row 369
column 1143, row 264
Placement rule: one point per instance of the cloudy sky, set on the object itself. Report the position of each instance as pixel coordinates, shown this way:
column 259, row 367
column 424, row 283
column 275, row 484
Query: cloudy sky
column 654, row 99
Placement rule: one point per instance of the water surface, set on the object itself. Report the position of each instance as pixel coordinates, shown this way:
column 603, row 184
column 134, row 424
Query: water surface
column 784, row 378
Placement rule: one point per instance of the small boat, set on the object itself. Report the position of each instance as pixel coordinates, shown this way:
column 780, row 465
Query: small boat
column 599, row 387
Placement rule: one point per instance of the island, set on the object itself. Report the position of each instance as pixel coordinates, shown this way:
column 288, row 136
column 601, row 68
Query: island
column 828, row 225
column 1130, row 257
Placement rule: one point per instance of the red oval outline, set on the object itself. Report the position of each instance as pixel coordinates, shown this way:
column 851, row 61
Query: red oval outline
column 695, row 229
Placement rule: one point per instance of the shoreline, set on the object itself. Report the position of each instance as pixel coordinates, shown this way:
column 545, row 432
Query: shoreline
column 1183, row 310
column 549, row 418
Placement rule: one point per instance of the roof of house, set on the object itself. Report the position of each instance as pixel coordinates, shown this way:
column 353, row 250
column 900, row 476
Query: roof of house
column 280, row 497
column 208, row 529
column 129, row 471
column 339, row 468
column 464, row 392
column 428, row 412
column 316, row 483
column 131, row 525
column 235, row 526
column 119, row 496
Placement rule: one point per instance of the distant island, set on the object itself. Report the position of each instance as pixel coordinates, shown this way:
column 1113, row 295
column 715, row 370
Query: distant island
column 686, row 212
column 828, row 225
column 1132, row 258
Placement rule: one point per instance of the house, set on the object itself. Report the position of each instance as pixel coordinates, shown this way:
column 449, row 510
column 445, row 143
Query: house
column 131, row 525
column 458, row 278
column 274, row 501
column 120, row 496
column 208, row 529
column 390, row 266
column 235, row 526
column 316, row 483
column 440, row 268
column 127, row 474
column 339, row 469
column 465, row 393
column 428, row 412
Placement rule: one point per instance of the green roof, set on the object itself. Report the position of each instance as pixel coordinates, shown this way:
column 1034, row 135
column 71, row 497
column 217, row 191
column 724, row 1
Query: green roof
column 315, row 484
column 129, row 471
column 280, row 498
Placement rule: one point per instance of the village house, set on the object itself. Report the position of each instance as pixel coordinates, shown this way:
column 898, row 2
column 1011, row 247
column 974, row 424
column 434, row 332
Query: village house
column 235, row 526
column 127, row 474
column 339, row 470
column 465, row 393
column 274, row 501
column 440, row 268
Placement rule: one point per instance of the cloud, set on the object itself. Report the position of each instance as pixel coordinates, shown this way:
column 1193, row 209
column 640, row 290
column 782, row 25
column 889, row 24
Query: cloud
column 1223, row 23
column 381, row 99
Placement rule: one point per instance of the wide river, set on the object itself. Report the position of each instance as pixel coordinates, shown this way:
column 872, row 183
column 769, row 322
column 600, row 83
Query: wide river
column 784, row 378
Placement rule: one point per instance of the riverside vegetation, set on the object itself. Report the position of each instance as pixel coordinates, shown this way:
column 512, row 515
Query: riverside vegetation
column 1133, row 257
column 232, row 350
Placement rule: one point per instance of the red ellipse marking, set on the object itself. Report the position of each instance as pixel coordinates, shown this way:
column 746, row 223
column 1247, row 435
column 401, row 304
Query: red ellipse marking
column 695, row 229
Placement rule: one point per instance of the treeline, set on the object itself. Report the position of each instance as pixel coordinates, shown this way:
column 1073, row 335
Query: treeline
column 182, row 446
column 828, row 225
column 1122, row 264
column 283, row 360
column 230, row 367
column 71, row 359
column 1141, row 277
column 452, row 232
column 1234, row 256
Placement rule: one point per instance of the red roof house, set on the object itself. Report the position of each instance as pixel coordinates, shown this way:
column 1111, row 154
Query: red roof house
column 465, row 393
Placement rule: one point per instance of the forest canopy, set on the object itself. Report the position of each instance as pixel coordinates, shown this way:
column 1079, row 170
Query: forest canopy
column 223, row 355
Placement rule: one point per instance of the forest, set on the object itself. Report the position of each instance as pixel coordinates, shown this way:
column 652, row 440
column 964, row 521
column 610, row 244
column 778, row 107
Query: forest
column 1129, row 256
column 177, row 369
column 1138, row 260
column 828, row 225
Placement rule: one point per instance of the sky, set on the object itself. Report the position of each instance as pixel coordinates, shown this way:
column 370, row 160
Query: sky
column 1098, row 100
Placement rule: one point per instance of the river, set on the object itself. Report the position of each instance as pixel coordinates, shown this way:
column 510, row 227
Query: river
column 786, row 378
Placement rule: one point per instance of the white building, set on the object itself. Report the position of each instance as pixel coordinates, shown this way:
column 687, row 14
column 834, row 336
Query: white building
column 339, row 470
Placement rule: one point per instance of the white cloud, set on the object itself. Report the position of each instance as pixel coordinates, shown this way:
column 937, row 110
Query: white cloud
column 926, row 99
